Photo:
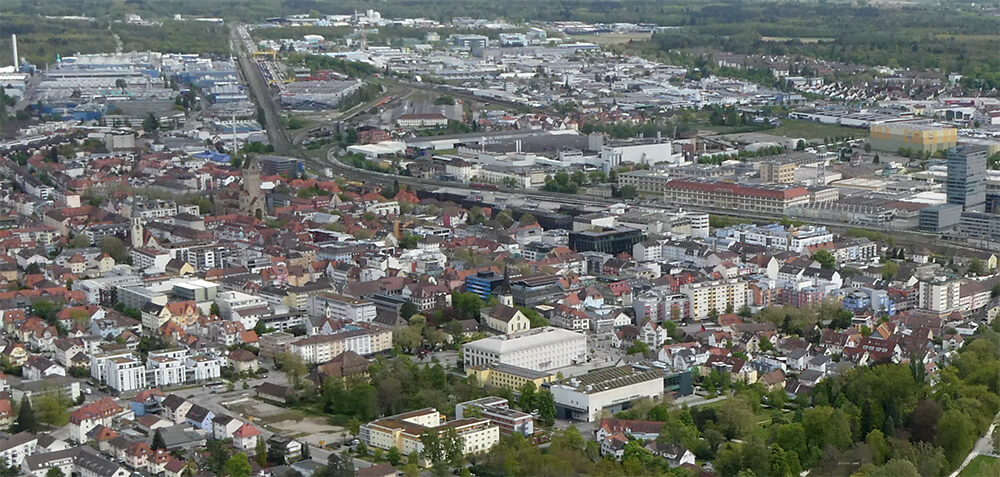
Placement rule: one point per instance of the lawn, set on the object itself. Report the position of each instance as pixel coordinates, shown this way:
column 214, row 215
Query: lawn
column 982, row 466
column 814, row 130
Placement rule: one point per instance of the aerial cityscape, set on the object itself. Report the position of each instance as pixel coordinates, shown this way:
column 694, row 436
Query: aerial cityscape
column 293, row 238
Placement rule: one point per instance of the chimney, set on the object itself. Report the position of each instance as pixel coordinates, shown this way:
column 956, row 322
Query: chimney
column 658, row 138
column 13, row 43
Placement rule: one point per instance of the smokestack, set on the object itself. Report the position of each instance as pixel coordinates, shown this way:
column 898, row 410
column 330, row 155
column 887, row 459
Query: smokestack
column 658, row 138
column 13, row 42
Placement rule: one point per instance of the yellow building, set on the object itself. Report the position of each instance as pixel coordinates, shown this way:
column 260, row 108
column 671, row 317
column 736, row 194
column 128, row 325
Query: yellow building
column 507, row 376
column 504, row 319
column 917, row 137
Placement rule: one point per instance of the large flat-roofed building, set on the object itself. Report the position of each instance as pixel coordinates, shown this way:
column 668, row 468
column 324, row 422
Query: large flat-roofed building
column 727, row 196
column 917, row 137
column 508, row 377
column 613, row 241
column 583, row 398
column 539, row 349
column 403, row 431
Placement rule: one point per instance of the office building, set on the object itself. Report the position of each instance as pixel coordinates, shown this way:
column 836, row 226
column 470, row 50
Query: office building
column 538, row 349
column 611, row 241
column 726, row 196
column 967, row 177
column 339, row 307
column 483, row 283
column 939, row 218
column 585, row 397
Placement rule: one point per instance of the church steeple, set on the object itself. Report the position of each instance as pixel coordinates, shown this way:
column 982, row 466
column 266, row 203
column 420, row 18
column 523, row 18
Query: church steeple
column 505, row 297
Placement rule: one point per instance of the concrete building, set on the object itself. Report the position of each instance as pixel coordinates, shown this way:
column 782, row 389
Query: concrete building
column 124, row 374
column 706, row 194
column 403, row 431
column 498, row 411
column 722, row 296
column 507, row 376
column 612, row 241
column 940, row 218
column 940, row 296
column 966, row 184
column 538, row 349
column 778, row 172
column 917, row 137
column 585, row 397
column 340, row 307
column 272, row 344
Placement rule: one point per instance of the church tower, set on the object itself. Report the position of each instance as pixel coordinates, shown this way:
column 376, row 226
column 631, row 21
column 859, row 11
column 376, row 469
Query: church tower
column 251, row 197
column 137, row 230
column 505, row 297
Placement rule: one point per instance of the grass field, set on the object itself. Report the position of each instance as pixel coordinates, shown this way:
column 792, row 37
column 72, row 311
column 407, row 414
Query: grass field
column 982, row 466
column 814, row 130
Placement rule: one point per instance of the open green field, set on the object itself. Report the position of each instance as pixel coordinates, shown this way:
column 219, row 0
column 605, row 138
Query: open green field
column 814, row 130
column 982, row 466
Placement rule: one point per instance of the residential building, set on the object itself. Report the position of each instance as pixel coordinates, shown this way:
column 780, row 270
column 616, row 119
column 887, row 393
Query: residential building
column 498, row 411
column 507, row 376
column 403, row 431
column 719, row 296
column 340, row 307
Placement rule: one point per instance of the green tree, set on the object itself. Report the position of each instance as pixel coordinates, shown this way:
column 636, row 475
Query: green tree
column 876, row 443
column 889, row 269
column 54, row 472
column 526, row 397
column 546, row 404
column 956, row 435
column 238, row 466
column 825, row 258
column 293, row 367
column 150, row 123
column 394, row 456
column 158, row 442
column 339, row 465
column 214, row 309
column 114, row 247
column 53, row 409
column 976, row 267
column 260, row 452
column 527, row 219
column 407, row 310
column 79, row 241
column 628, row 192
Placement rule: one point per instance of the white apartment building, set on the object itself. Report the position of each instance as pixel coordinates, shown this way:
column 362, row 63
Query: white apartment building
column 403, row 432
column 538, row 349
column 202, row 368
column 584, row 397
column 164, row 371
column 98, row 363
column 124, row 374
column 941, row 295
column 150, row 259
column 719, row 295
column 230, row 301
column 15, row 448
column 339, row 307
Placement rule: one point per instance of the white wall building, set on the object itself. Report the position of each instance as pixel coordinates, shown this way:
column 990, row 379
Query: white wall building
column 584, row 397
column 539, row 349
